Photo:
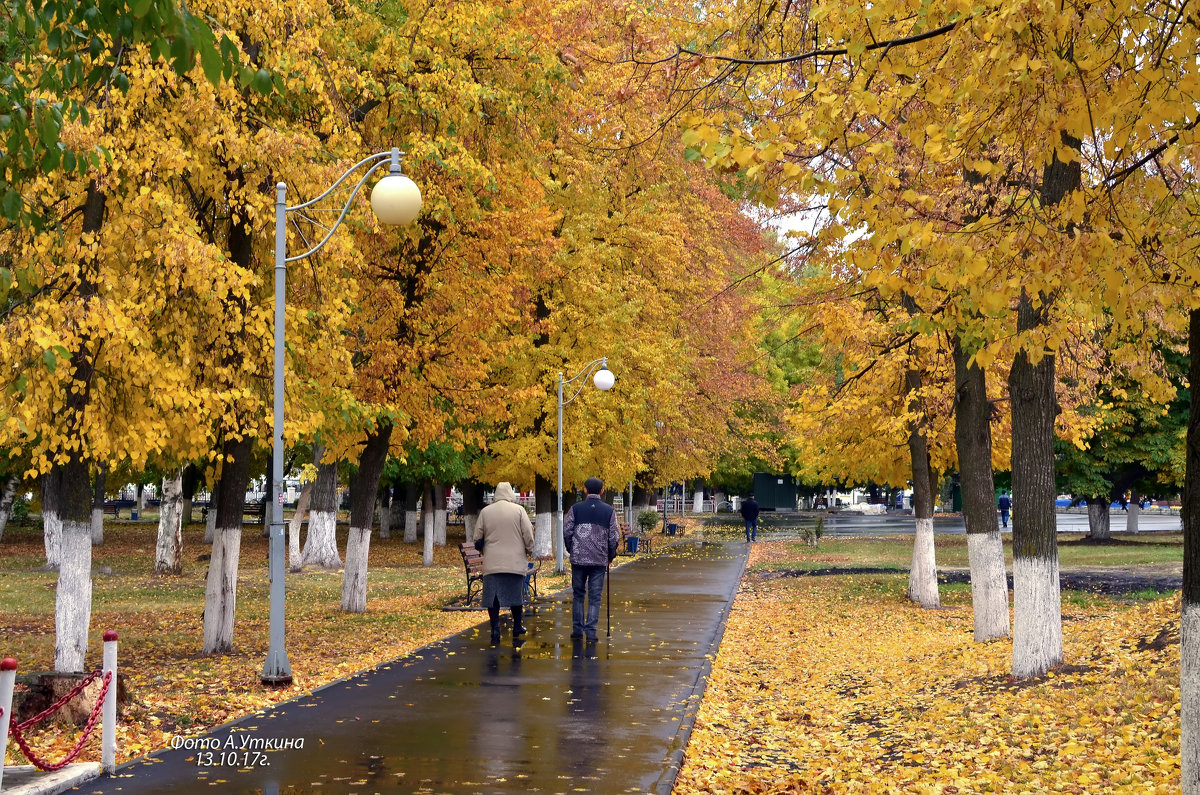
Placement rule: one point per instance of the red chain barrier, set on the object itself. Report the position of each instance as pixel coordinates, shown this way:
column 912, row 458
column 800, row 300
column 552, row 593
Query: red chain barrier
column 17, row 729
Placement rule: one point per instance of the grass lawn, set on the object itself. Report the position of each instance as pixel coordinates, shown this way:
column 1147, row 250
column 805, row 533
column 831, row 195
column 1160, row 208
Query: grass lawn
column 838, row 684
column 1140, row 550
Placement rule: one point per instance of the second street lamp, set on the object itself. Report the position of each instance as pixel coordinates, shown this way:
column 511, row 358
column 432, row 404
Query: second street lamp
column 604, row 381
column 396, row 200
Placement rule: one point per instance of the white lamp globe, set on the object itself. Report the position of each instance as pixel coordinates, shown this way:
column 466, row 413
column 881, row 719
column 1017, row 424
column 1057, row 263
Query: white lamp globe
column 396, row 200
column 604, row 379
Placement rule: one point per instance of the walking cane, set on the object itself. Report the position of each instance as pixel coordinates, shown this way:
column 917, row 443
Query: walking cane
column 608, row 584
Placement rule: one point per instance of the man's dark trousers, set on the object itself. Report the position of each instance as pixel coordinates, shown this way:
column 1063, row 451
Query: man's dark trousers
column 586, row 581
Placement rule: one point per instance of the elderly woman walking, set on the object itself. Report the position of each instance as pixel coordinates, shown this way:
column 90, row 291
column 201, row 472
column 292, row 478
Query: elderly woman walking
column 504, row 535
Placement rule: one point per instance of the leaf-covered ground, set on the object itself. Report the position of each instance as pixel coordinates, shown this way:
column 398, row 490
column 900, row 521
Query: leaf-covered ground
column 837, row 684
column 176, row 690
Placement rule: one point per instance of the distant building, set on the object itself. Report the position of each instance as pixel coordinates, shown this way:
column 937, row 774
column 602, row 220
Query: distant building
column 775, row 492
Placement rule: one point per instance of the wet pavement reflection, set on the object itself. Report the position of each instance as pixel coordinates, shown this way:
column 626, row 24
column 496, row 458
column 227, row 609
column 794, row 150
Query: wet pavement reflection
column 461, row 716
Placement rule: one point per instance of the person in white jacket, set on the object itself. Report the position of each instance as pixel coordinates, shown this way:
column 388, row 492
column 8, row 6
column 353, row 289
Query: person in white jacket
column 504, row 535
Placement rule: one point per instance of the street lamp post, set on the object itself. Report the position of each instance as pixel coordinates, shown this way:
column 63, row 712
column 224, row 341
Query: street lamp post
column 396, row 200
column 603, row 380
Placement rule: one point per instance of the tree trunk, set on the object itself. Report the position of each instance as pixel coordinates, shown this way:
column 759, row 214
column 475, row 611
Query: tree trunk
column 320, row 546
column 168, row 555
column 73, row 601
column 141, row 500
column 295, row 562
column 412, row 495
column 544, row 495
column 1099, row 526
column 7, row 497
column 52, row 523
column 985, row 549
column 427, row 510
column 210, row 523
column 383, row 506
column 220, row 596
column 922, row 576
column 362, row 507
column 191, row 479
column 1037, row 629
column 472, row 504
column 1133, row 512
column 97, row 518
column 70, row 485
column 439, row 514
column 1189, row 684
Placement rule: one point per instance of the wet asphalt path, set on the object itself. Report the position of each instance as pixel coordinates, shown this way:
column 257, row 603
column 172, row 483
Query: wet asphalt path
column 459, row 716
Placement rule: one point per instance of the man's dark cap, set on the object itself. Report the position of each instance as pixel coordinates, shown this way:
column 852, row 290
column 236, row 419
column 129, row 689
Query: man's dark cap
column 593, row 485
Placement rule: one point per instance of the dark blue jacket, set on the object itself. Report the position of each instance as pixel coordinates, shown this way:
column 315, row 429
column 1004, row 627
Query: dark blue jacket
column 590, row 532
column 749, row 509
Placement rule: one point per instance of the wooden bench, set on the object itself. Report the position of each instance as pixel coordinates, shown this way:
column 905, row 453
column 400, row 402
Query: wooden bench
column 645, row 542
column 256, row 511
column 113, row 507
column 473, row 566
column 473, row 563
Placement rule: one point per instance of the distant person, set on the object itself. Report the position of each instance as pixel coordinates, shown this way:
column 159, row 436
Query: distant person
column 590, row 535
column 1004, row 503
column 504, row 535
column 750, row 514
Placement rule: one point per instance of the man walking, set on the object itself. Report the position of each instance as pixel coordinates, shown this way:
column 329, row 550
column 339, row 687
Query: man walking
column 1004, row 503
column 590, row 534
column 749, row 511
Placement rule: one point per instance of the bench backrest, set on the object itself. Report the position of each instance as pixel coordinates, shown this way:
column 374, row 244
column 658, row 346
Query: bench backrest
column 472, row 558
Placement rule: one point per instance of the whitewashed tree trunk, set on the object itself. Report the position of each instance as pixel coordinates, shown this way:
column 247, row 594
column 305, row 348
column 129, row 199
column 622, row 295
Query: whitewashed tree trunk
column 210, row 523
column 220, row 598
column 412, row 517
column 439, row 514
column 1189, row 517
column 922, row 576
column 52, row 524
column 362, row 506
column 544, row 495
column 141, row 500
column 985, row 549
column 1037, row 605
column 1099, row 526
column 320, row 546
column 1133, row 512
column 73, row 601
column 989, row 585
column 698, row 501
column 1037, row 625
column 383, row 507
column 6, row 501
column 295, row 562
column 1189, row 691
column 427, row 510
column 922, row 579
column 98, row 508
column 168, row 554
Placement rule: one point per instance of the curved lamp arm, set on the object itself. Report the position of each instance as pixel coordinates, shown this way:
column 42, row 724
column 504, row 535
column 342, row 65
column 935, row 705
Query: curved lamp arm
column 589, row 368
column 376, row 160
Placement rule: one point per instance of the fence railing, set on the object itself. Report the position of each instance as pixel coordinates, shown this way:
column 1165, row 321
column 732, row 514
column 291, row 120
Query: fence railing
column 104, row 710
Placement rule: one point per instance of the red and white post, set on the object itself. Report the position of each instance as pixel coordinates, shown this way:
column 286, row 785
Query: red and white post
column 8, row 675
column 108, row 733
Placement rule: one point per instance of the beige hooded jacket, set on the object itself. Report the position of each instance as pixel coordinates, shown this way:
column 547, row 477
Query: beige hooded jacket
column 507, row 534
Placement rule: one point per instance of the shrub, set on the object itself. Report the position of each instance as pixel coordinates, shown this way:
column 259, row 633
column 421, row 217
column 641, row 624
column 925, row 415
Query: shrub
column 812, row 535
column 648, row 520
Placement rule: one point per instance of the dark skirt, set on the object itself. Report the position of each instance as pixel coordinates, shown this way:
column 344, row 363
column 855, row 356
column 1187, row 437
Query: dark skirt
column 508, row 588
